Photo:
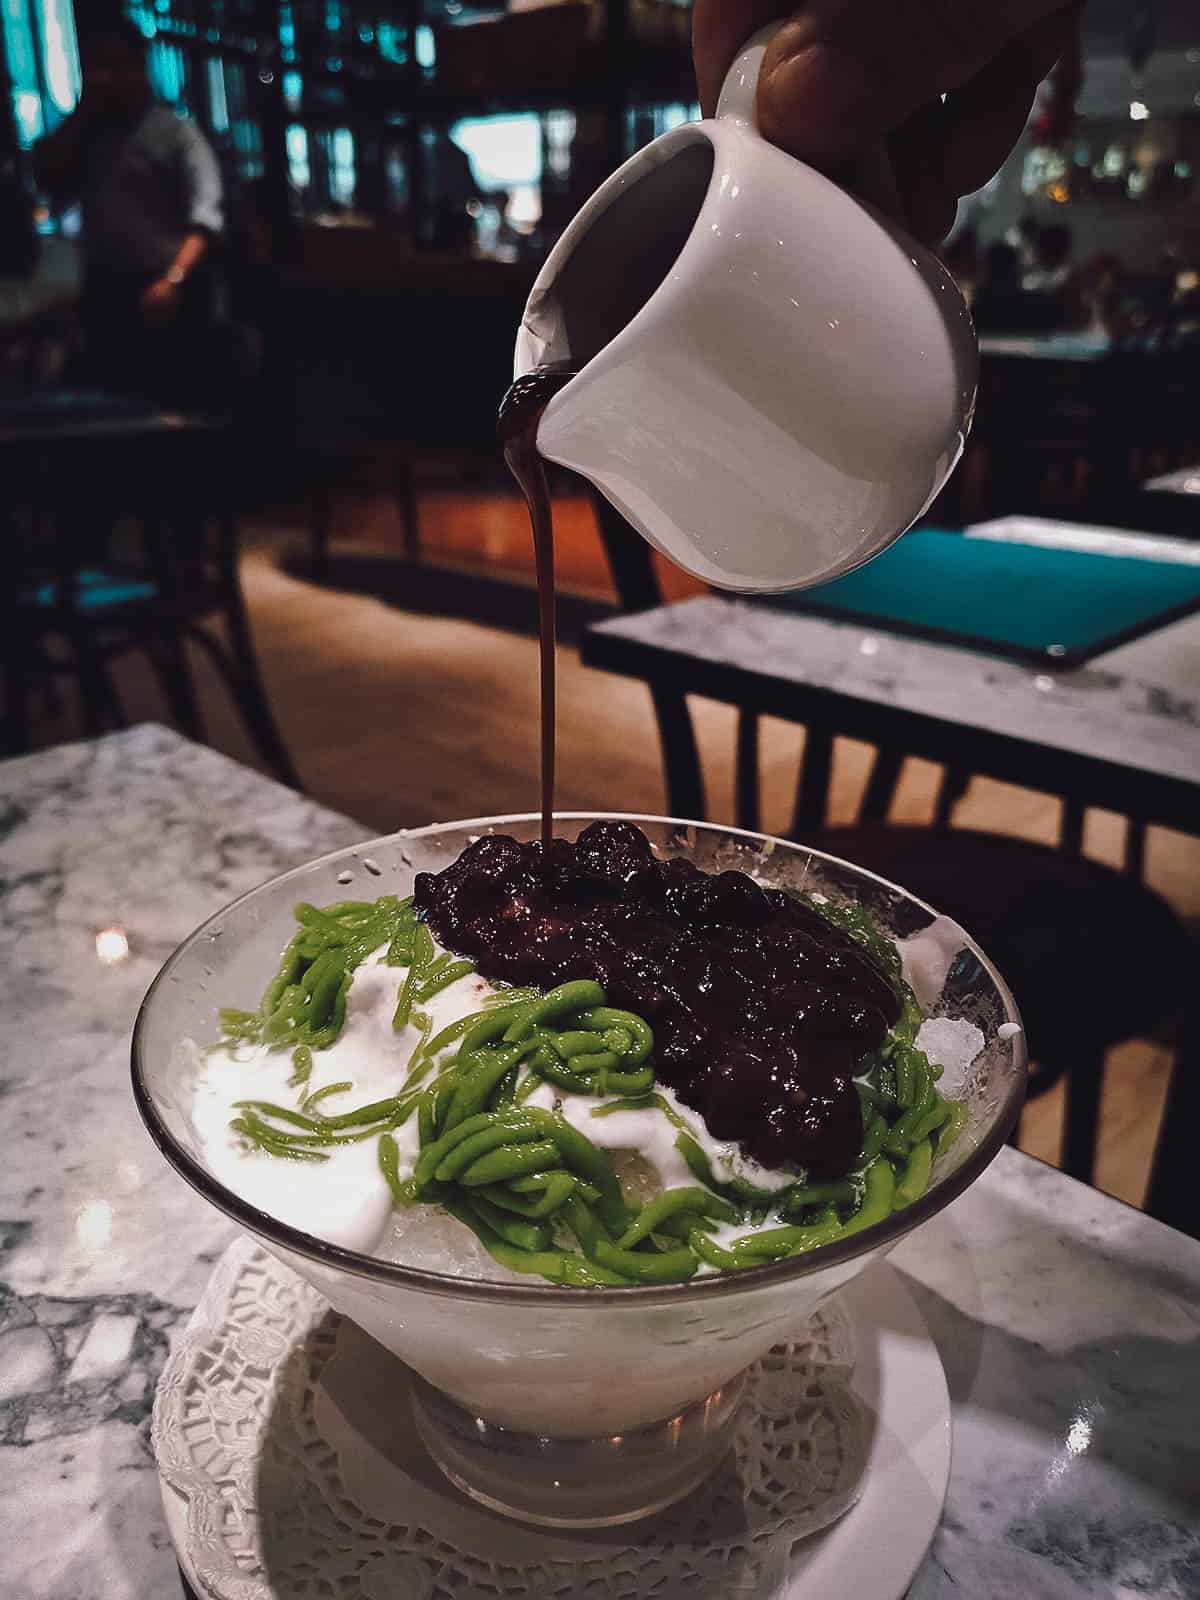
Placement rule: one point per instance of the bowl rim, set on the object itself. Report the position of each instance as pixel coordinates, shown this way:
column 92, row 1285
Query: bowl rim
column 538, row 1292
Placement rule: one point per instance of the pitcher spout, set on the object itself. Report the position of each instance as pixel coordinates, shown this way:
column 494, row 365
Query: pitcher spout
column 542, row 336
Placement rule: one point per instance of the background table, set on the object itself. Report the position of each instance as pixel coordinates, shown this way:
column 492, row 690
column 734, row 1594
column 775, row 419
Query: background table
column 1122, row 731
column 1185, row 481
column 1173, row 501
column 1067, row 1322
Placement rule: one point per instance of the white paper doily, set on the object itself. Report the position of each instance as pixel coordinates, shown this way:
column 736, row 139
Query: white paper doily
column 290, row 1467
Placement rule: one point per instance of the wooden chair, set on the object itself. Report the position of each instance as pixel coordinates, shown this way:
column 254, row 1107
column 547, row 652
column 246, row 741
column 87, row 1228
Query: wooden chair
column 1093, row 956
column 1172, row 1194
column 73, row 609
column 336, row 459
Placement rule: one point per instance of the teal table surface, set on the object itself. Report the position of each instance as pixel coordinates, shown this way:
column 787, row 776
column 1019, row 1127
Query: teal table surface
column 1055, row 605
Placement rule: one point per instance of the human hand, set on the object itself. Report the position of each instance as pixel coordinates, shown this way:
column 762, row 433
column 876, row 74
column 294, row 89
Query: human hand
column 159, row 302
column 910, row 102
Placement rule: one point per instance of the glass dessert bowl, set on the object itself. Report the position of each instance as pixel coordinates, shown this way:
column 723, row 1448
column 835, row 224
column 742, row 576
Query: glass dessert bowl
column 573, row 1406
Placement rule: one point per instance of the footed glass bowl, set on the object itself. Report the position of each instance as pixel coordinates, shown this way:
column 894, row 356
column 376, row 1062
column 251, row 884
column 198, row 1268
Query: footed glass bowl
column 571, row 1407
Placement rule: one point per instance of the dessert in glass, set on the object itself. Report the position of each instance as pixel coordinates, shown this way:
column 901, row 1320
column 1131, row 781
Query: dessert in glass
column 578, row 1132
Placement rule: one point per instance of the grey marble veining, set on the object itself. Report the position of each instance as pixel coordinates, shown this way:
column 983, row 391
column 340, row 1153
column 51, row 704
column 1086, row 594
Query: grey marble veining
column 1136, row 707
column 1069, row 1325
column 103, row 1252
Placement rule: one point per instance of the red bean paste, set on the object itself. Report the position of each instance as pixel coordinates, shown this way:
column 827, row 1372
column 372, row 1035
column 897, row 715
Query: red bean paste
column 760, row 1007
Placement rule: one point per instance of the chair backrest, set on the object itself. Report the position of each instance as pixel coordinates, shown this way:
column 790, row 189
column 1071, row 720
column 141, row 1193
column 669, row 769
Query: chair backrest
column 630, row 559
column 631, row 562
column 1171, row 1194
column 102, row 519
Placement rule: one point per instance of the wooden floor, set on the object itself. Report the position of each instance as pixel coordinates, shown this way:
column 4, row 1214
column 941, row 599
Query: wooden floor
column 398, row 719
column 489, row 530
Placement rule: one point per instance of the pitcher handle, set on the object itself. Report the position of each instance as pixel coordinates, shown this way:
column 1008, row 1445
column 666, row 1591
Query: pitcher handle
column 736, row 102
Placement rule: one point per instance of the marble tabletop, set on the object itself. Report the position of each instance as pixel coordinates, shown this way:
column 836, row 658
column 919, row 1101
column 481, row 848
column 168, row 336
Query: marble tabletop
column 1068, row 1324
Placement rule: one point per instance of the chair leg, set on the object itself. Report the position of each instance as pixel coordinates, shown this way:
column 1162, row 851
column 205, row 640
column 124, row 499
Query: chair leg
column 681, row 758
column 1135, row 849
column 1070, row 834
column 17, row 726
column 320, row 524
column 245, row 684
column 1171, row 1192
column 812, row 796
column 91, row 707
column 1084, row 1082
column 96, row 693
column 114, row 708
column 953, row 786
column 747, row 801
column 240, row 666
column 882, row 785
column 404, row 488
column 168, row 656
column 47, row 684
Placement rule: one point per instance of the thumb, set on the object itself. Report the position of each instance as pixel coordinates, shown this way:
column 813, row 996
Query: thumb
column 842, row 73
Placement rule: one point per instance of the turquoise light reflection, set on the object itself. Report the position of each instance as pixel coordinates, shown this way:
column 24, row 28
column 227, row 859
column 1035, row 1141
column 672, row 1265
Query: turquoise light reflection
column 505, row 152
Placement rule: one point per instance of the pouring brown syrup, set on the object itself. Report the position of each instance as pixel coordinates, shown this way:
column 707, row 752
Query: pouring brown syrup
column 520, row 413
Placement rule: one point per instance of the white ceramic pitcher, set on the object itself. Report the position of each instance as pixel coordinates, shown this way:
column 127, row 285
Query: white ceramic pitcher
column 774, row 380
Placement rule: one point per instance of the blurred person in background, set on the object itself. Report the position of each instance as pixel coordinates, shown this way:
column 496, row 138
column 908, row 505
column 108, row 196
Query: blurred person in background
column 1054, row 282
column 999, row 303
column 1024, row 236
column 1099, row 293
column 1051, row 266
column 455, row 195
column 150, row 191
column 961, row 256
column 18, row 240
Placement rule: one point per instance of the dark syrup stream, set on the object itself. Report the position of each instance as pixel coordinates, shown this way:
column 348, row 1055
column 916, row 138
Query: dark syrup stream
column 519, row 416
column 520, row 413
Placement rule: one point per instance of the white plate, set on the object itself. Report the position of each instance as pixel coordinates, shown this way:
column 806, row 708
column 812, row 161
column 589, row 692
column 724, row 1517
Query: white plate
column 874, row 1551
column 285, row 1459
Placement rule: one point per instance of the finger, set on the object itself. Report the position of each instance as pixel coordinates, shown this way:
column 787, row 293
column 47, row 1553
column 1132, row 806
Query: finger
column 719, row 30
column 918, row 157
column 981, row 129
column 949, row 149
column 984, row 119
column 871, row 176
column 839, row 76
